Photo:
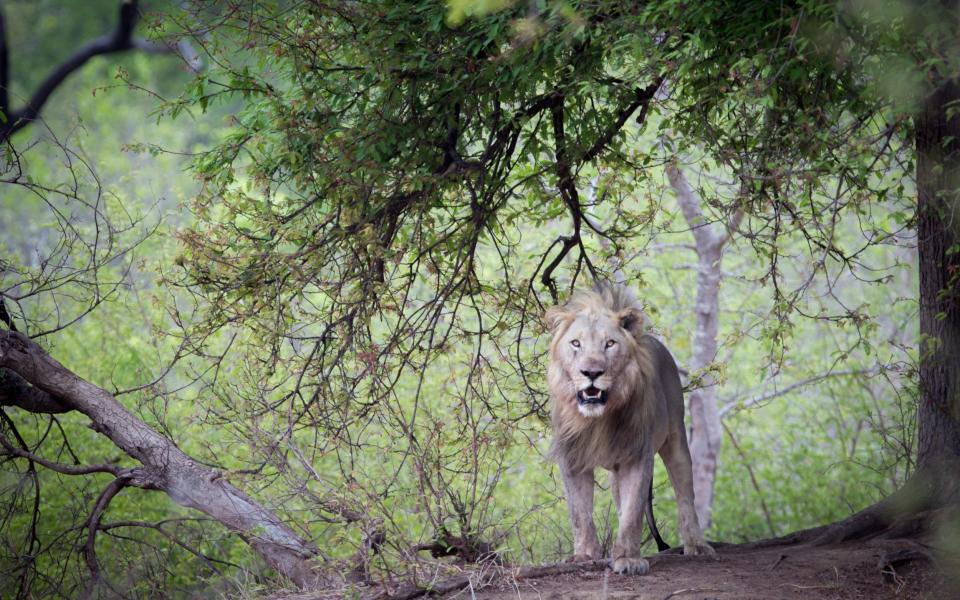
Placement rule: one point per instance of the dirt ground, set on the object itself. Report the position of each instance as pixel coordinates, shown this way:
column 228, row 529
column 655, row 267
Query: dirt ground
column 849, row 571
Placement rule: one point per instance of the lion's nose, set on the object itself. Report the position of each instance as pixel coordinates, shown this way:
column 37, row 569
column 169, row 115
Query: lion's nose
column 591, row 375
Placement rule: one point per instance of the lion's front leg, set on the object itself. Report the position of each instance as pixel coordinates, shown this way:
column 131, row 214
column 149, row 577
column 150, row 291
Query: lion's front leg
column 579, row 487
column 632, row 483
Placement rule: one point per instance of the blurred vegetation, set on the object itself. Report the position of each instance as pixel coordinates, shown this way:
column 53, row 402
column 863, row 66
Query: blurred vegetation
column 329, row 369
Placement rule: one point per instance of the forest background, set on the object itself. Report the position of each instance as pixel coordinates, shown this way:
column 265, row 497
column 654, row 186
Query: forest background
column 324, row 282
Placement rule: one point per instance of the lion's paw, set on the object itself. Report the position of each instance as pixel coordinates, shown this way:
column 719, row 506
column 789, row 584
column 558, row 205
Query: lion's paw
column 698, row 549
column 631, row 566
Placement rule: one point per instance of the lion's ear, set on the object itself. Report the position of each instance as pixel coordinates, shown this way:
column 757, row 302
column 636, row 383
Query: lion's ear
column 633, row 320
column 554, row 316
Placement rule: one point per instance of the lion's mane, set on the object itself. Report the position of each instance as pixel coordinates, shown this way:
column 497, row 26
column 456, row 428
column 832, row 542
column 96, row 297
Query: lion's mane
column 624, row 429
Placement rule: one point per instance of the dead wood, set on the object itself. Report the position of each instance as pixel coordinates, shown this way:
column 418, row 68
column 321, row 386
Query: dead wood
column 165, row 466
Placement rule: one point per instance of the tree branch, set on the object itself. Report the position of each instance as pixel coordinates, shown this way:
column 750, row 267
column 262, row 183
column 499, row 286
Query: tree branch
column 568, row 242
column 734, row 404
column 165, row 466
column 570, row 196
column 690, row 205
column 5, row 317
column 93, row 524
column 120, row 40
column 733, row 224
column 58, row 467
column 208, row 560
column 641, row 99
column 15, row 391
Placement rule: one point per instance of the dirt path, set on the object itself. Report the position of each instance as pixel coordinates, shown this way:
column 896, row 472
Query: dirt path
column 842, row 572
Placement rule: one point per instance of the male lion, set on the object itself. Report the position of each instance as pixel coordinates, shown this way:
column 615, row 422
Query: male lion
column 616, row 400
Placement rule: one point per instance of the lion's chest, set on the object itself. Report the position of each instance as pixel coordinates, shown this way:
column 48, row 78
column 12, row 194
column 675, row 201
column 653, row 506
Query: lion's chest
column 605, row 444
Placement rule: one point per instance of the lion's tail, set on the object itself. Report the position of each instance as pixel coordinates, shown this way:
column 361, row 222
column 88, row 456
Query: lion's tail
column 652, row 522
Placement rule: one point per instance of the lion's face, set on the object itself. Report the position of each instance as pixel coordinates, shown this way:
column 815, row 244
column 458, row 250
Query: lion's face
column 592, row 359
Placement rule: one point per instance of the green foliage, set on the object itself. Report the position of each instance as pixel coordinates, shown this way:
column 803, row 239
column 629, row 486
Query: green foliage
column 392, row 211
column 351, row 309
column 89, row 225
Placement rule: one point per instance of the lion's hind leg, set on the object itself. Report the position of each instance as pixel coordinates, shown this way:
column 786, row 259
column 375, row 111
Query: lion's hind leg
column 676, row 457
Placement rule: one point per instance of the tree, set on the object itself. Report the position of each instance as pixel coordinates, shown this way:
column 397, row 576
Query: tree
column 706, row 432
column 370, row 195
column 804, row 90
column 938, row 182
column 34, row 381
column 368, row 216
column 76, row 273
column 391, row 173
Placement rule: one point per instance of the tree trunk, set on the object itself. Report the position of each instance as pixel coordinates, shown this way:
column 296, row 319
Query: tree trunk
column 926, row 505
column 706, row 432
column 938, row 235
column 166, row 467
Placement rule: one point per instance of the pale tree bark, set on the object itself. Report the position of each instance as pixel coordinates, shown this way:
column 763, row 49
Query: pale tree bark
column 706, row 430
column 32, row 380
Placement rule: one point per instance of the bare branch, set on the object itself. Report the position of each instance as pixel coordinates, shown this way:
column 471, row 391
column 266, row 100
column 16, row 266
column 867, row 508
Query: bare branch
column 93, row 524
column 58, row 467
column 119, row 40
column 567, row 243
column 209, row 561
column 691, row 206
column 757, row 400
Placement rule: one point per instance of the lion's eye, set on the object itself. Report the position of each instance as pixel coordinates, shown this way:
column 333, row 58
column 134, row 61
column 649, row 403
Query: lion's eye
column 611, row 343
column 575, row 343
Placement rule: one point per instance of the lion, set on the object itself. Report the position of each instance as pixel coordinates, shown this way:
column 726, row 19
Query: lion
column 616, row 400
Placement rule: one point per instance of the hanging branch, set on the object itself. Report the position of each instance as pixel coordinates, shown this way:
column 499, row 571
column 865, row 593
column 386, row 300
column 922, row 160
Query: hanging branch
column 93, row 525
column 570, row 196
column 565, row 166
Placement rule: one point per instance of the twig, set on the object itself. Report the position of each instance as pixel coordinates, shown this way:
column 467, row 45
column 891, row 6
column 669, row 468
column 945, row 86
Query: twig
column 157, row 527
column 733, row 404
column 779, row 560
column 831, row 586
column 690, row 591
column 753, row 478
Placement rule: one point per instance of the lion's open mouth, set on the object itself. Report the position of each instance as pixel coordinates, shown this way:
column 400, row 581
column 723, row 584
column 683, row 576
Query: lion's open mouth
column 592, row 395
